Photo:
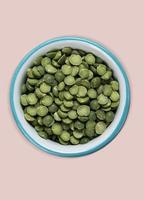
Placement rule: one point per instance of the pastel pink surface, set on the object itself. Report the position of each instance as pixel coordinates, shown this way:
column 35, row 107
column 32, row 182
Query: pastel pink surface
column 115, row 172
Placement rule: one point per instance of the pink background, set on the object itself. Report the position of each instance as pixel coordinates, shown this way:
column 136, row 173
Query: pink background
column 115, row 172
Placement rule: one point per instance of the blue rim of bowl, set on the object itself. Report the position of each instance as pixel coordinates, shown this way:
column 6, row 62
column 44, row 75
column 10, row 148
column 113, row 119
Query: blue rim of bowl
column 119, row 125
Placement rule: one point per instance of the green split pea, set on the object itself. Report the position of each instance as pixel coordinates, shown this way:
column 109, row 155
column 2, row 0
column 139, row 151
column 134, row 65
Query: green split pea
column 69, row 96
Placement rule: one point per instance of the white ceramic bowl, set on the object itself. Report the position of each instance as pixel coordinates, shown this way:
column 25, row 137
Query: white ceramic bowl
column 53, row 147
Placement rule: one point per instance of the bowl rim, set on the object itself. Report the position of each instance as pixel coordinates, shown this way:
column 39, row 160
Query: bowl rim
column 127, row 101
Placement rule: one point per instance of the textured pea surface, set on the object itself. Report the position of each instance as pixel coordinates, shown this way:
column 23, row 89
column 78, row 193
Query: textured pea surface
column 69, row 96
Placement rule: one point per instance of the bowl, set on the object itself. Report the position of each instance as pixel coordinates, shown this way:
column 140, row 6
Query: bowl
column 53, row 147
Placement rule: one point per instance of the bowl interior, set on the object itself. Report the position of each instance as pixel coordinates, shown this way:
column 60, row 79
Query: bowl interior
column 48, row 144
